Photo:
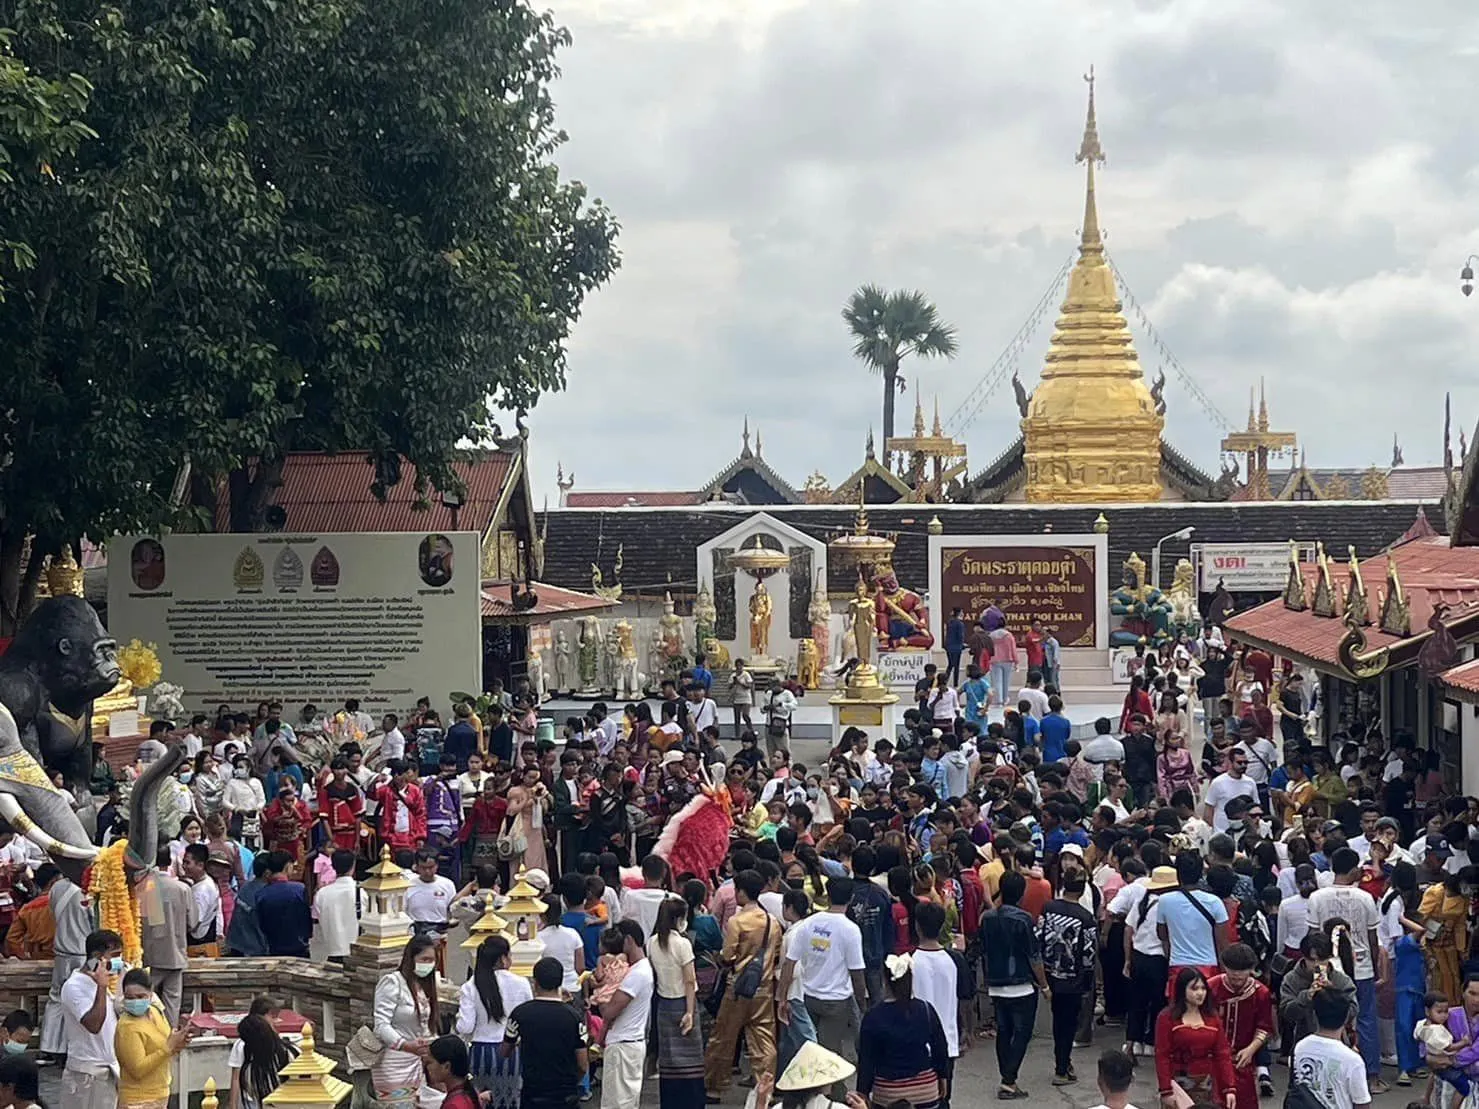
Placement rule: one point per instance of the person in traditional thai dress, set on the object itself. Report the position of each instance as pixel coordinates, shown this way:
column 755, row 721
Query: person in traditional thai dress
column 1191, row 1050
column 286, row 821
column 402, row 807
column 1246, row 1008
column 406, row 1017
column 444, row 817
column 527, row 804
column 340, row 805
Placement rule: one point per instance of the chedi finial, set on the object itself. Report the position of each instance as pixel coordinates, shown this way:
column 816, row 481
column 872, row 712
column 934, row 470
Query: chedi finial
column 1091, row 153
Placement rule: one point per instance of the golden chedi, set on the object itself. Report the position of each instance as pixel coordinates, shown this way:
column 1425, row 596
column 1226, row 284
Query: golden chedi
column 1092, row 430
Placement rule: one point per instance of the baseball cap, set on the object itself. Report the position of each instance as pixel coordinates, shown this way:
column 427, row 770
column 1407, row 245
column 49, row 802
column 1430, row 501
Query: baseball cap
column 1437, row 845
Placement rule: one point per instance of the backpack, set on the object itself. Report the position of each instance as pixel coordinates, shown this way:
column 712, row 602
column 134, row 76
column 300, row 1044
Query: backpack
column 1300, row 1096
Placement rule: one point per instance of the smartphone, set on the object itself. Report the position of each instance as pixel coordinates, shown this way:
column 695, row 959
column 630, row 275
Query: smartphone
column 92, row 964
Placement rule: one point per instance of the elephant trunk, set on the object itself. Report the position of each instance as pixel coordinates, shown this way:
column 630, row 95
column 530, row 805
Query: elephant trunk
column 143, row 807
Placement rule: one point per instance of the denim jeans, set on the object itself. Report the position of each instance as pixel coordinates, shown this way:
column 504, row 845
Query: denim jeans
column 1001, row 682
column 1366, row 1026
column 798, row 1031
column 1015, row 1017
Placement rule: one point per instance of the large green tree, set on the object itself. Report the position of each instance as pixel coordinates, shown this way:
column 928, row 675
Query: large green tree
column 302, row 224
column 888, row 327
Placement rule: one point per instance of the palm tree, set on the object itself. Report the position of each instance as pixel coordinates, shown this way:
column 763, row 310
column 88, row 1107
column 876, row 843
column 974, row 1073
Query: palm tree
column 886, row 327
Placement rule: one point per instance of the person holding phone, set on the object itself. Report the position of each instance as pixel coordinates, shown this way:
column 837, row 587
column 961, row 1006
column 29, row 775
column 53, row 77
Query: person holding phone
column 145, row 1045
column 89, row 1025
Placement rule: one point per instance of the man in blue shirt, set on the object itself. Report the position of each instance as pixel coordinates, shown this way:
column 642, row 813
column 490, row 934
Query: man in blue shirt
column 870, row 910
column 1055, row 731
column 461, row 739
column 703, row 675
column 282, row 910
column 1193, row 922
column 931, row 769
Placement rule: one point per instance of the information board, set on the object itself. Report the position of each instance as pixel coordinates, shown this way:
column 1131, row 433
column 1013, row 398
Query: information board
column 1246, row 567
column 385, row 617
column 1055, row 584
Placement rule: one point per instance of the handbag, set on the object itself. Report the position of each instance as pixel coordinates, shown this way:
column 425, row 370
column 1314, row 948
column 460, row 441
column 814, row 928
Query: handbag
column 511, row 842
column 747, row 982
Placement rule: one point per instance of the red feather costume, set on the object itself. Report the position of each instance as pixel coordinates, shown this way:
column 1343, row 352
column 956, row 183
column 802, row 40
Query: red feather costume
column 695, row 840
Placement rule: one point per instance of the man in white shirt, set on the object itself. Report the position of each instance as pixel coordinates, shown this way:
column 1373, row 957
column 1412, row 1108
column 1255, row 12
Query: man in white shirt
column 702, row 712
column 206, row 929
column 430, row 897
column 1361, row 844
column 470, row 784
column 1033, row 694
column 1116, row 1072
column 606, row 728
column 1347, row 901
column 828, row 948
column 626, row 1024
column 1263, row 756
column 392, row 742
column 194, row 739
column 935, row 974
column 336, row 908
column 89, row 1023
column 641, row 905
column 1334, row 1073
column 1234, row 783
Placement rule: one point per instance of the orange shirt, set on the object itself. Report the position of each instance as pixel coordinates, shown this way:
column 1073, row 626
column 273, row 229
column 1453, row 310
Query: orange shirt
column 1039, row 892
column 32, row 934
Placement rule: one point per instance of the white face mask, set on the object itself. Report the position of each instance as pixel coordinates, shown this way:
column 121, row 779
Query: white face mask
column 425, row 970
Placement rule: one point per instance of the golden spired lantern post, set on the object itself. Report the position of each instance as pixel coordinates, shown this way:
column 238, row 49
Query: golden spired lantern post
column 308, row 1079
column 526, row 911
column 865, row 701
column 760, row 562
column 1092, row 431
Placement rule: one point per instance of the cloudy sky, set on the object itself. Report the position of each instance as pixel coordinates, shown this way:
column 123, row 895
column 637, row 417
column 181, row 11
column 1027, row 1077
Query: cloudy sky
column 1290, row 192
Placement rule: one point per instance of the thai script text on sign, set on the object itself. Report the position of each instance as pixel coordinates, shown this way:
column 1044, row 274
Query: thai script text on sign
column 1246, row 567
column 1053, row 584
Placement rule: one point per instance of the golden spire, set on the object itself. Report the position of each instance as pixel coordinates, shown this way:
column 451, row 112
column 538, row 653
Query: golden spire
column 1089, row 152
column 1262, row 407
column 1252, row 420
column 918, row 415
column 938, row 431
column 1092, row 430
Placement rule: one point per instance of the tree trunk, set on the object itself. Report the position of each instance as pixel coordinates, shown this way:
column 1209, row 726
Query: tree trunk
column 11, row 548
column 250, row 493
column 890, row 390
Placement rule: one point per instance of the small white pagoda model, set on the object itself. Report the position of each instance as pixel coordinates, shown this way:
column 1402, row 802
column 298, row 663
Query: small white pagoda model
column 384, row 922
column 526, row 911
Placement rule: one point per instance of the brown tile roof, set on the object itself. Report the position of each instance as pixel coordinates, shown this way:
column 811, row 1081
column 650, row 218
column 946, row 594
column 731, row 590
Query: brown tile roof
column 552, row 601
column 631, row 500
column 1464, row 676
column 331, row 492
column 1430, row 571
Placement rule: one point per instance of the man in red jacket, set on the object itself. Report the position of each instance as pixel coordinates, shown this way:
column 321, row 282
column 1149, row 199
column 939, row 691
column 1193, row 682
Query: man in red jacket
column 402, row 808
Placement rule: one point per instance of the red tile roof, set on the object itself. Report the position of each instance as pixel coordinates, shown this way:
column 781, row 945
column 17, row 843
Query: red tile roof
column 331, row 492
column 1430, row 571
column 1465, row 676
column 631, row 500
column 497, row 600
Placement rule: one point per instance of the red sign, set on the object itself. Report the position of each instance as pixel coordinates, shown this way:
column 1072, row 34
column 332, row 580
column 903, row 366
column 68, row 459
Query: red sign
column 1053, row 584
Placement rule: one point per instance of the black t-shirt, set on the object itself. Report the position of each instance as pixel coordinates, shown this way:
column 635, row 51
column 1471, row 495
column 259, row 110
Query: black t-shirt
column 1213, row 682
column 1139, row 758
column 501, row 743
column 549, row 1034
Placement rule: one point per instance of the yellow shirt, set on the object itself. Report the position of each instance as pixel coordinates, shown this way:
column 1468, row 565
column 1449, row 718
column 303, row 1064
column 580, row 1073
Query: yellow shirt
column 143, row 1056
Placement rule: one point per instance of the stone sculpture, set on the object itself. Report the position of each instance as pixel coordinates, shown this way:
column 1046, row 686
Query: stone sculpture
column 1186, row 618
column 900, row 615
column 535, row 674
column 626, row 678
column 564, row 674
column 1145, row 610
column 705, row 615
column 670, row 627
column 808, row 664
column 590, row 654
column 819, row 613
column 760, row 613
column 657, row 658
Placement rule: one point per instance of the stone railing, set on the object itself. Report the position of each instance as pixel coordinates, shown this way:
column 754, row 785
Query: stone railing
column 337, row 999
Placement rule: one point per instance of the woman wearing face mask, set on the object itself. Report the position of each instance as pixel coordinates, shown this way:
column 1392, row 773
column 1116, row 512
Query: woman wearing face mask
column 242, row 803
column 145, row 1046
column 20, row 1083
column 206, row 785
column 405, row 1013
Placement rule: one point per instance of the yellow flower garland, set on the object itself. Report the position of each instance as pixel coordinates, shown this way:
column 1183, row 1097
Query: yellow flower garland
column 118, row 911
column 140, row 663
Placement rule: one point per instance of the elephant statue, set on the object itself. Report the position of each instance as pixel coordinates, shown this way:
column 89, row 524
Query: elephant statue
column 36, row 809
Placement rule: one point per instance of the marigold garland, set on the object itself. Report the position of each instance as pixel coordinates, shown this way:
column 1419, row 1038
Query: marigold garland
column 118, row 911
column 139, row 663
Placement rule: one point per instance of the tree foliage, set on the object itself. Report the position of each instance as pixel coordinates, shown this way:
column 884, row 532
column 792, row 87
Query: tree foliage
column 886, row 328
column 293, row 224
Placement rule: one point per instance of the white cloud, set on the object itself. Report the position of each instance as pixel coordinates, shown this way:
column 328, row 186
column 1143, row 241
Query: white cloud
column 1290, row 190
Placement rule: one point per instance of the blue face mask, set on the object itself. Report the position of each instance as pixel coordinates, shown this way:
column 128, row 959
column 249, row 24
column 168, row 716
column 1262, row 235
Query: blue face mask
column 186, row 776
column 14, row 1047
column 136, row 1006
column 115, row 966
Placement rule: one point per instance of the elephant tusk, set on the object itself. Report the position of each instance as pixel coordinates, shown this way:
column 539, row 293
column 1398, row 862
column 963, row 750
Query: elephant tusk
column 10, row 810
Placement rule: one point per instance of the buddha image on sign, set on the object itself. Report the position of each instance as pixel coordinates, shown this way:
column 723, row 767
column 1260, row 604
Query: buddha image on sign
column 435, row 560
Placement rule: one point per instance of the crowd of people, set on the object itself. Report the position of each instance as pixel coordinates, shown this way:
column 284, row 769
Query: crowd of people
column 1208, row 913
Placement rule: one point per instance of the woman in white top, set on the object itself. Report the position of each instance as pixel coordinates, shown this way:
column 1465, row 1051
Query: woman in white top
column 565, row 944
column 680, row 1043
column 242, row 802
column 483, row 1005
column 191, row 831
column 944, row 704
column 258, row 1055
column 405, row 1016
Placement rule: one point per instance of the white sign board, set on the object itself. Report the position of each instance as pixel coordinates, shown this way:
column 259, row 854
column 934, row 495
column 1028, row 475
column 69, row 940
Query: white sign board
column 385, row 617
column 1246, row 567
column 901, row 669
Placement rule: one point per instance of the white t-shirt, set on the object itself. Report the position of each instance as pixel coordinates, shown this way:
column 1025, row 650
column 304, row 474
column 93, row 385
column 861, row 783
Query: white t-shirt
column 774, row 904
column 1333, row 1072
column 86, row 1048
column 392, row 746
column 1260, row 748
column 334, row 909
column 630, row 1025
column 667, row 964
column 703, row 714
column 1223, row 789
column 473, row 1020
column 642, row 905
column 1358, row 909
column 562, row 943
column 1126, row 903
column 208, row 909
column 1034, row 697
column 428, row 902
column 827, row 946
column 934, row 981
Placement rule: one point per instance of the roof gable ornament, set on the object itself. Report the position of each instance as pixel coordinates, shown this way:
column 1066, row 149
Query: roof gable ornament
column 1357, row 606
column 1294, row 595
column 1325, row 603
column 1396, row 613
column 1355, row 658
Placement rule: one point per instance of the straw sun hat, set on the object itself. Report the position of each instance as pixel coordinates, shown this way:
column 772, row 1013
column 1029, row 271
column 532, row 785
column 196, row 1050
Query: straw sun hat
column 814, row 1066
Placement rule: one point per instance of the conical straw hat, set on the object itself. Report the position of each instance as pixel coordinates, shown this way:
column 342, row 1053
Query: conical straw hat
column 814, row 1066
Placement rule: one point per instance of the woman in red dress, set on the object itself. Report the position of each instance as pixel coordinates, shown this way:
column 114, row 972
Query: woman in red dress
column 285, row 822
column 340, row 804
column 1190, row 1049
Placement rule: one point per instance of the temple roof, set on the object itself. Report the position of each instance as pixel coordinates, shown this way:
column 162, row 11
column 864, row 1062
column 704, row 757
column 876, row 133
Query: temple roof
column 659, row 543
column 1006, row 473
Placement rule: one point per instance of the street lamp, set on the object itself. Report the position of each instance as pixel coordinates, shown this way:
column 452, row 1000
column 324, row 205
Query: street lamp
column 1466, row 276
column 1155, row 559
column 453, row 500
